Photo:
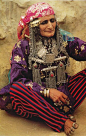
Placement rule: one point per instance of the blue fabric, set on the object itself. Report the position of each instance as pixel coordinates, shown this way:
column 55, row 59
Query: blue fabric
column 67, row 36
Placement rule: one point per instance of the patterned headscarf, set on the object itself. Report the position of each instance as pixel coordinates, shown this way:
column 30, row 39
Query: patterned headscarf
column 35, row 11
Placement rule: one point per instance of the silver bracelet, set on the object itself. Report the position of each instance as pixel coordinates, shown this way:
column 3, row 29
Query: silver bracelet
column 45, row 92
column 48, row 92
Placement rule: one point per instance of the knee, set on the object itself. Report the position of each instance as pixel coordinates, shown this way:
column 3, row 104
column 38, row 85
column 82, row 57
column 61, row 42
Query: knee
column 15, row 86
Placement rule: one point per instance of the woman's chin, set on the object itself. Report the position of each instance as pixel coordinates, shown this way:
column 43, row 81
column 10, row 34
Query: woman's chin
column 49, row 35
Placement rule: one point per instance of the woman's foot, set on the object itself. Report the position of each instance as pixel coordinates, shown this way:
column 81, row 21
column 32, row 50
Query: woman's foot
column 69, row 127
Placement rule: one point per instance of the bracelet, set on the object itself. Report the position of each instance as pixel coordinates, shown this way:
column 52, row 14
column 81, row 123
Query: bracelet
column 41, row 92
column 47, row 91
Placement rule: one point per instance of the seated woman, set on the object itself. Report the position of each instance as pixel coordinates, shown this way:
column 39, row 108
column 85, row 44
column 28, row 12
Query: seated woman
column 39, row 85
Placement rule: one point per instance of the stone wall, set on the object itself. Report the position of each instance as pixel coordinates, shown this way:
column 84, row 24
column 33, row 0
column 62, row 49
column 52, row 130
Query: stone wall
column 71, row 16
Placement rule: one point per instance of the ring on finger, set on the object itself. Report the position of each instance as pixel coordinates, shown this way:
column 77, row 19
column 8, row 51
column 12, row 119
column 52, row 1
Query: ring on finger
column 72, row 130
column 60, row 102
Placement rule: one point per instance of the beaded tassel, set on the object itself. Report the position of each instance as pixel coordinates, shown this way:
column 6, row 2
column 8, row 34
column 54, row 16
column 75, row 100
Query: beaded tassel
column 36, row 74
column 51, row 81
column 61, row 77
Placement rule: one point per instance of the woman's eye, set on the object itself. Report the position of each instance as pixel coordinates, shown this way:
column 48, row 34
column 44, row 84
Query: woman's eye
column 44, row 22
column 52, row 20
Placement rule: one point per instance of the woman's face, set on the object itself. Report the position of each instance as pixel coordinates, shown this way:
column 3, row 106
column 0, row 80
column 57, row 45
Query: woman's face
column 47, row 26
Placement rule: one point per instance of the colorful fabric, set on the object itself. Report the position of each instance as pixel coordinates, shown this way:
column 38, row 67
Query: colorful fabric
column 67, row 36
column 35, row 11
column 77, row 87
column 19, row 69
column 35, row 105
column 77, row 49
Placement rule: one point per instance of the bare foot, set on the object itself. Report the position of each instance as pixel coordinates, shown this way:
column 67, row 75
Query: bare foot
column 69, row 127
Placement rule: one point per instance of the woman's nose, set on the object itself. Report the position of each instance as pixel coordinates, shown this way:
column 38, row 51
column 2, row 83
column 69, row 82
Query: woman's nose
column 50, row 24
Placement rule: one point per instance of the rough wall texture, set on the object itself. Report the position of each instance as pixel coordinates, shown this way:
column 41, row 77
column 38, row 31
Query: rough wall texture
column 71, row 16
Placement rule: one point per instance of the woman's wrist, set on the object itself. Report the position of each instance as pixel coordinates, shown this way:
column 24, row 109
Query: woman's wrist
column 45, row 92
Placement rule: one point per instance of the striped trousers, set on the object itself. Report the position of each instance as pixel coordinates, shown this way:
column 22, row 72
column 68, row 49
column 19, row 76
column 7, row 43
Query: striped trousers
column 27, row 103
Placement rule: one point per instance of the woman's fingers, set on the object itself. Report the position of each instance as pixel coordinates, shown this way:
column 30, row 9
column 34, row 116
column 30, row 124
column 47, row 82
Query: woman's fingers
column 65, row 96
column 58, row 96
column 63, row 100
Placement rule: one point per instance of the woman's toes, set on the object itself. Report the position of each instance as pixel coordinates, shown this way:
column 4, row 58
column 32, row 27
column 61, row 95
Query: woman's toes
column 70, row 126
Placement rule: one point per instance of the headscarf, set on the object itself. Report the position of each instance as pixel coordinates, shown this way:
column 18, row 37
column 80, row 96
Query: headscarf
column 37, row 10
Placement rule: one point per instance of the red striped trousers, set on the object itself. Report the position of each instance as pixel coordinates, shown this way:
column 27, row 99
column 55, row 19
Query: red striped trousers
column 77, row 87
column 28, row 103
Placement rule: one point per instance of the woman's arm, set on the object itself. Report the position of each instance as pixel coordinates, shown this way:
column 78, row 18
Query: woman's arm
column 19, row 66
column 77, row 49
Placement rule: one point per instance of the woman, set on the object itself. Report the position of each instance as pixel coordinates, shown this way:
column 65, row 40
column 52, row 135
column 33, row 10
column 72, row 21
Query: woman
column 38, row 82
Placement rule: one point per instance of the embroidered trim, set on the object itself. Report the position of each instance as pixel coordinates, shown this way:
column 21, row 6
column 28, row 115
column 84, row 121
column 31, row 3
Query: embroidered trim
column 17, row 58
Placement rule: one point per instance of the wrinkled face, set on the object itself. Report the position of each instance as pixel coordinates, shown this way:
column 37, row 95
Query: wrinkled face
column 47, row 25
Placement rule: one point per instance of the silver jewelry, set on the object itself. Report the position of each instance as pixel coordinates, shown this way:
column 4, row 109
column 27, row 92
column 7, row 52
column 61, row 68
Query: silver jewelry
column 58, row 103
column 49, row 58
column 36, row 75
column 46, row 51
column 61, row 77
column 42, row 52
column 51, row 81
column 75, row 125
column 67, row 101
column 47, row 92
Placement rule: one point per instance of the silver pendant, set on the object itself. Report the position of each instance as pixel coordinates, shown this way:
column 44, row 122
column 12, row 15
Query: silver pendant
column 36, row 75
column 49, row 58
column 42, row 52
column 61, row 77
column 54, row 50
column 51, row 81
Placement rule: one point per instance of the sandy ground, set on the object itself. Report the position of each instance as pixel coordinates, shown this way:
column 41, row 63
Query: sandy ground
column 12, row 125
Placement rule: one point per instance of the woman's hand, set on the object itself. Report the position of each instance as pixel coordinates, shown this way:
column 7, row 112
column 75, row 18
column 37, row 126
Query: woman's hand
column 58, row 96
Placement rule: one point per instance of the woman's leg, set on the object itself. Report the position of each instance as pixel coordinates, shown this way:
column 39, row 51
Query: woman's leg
column 28, row 103
column 77, row 87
